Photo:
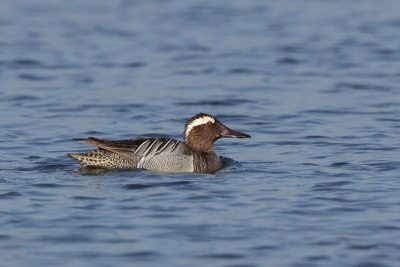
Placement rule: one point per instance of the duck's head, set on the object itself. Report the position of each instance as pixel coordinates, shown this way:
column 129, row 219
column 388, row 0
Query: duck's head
column 202, row 130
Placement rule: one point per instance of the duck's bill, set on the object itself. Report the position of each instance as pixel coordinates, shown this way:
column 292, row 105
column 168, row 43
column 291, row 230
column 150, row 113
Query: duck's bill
column 234, row 134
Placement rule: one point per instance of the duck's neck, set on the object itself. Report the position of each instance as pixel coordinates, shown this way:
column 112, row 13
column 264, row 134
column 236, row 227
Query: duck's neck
column 200, row 144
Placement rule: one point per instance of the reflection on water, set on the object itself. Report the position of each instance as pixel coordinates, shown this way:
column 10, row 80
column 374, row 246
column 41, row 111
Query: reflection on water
column 316, row 85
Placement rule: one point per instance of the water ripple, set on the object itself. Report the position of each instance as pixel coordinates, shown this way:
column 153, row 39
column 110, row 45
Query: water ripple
column 9, row 195
column 225, row 102
column 331, row 186
column 151, row 185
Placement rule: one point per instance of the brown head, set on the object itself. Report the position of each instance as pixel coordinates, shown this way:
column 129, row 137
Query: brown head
column 202, row 130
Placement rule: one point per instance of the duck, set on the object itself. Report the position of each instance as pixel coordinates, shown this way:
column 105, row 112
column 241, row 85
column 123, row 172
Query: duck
column 195, row 154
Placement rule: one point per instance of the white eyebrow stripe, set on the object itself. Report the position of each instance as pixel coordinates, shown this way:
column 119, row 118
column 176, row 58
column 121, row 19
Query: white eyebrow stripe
column 197, row 122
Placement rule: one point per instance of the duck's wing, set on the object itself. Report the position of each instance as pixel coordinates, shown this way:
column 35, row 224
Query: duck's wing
column 138, row 148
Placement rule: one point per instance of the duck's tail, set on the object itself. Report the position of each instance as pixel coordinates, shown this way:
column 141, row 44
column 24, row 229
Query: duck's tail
column 102, row 159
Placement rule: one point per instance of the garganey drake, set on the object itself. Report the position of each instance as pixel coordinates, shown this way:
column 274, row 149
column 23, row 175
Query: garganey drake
column 195, row 154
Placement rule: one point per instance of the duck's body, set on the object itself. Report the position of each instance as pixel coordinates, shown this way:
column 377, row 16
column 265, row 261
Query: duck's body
column 161, row 155
column 195, row 154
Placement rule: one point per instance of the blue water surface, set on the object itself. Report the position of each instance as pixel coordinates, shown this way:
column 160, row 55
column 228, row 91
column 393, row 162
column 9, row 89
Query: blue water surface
column 315, row 83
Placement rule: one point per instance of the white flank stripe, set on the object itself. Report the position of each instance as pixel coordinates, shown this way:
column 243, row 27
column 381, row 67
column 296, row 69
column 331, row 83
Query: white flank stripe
column 149, row 148
column 159, row 150
column 144, row 143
